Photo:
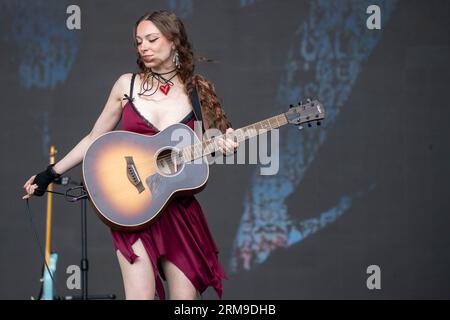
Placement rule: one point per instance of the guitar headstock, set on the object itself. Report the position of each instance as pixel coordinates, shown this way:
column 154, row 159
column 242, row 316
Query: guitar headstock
column 311, row 111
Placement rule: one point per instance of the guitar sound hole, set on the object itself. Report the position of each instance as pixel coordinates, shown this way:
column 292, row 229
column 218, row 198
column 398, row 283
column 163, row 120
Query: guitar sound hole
column 166, row 162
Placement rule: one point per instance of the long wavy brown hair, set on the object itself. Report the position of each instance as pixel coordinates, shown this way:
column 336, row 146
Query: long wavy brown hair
column 173, row 29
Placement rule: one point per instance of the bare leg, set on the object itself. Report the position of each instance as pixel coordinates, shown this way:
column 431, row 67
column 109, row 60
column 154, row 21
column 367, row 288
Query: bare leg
column 138, row 278
column 180, row 287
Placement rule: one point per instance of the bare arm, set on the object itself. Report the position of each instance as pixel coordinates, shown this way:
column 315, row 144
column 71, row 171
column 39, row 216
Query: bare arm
column 106, row 122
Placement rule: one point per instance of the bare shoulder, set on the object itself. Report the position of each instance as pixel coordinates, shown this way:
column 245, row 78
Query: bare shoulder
column 123, row 82
column 121, row 86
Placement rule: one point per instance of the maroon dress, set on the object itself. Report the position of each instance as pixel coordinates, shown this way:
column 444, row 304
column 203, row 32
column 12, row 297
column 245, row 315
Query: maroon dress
column 180, row 234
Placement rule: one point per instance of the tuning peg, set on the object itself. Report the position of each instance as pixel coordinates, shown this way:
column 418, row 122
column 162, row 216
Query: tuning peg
column 300, row 127
column 318, row 123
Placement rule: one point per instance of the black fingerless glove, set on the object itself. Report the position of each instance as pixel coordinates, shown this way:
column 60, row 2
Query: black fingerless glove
column 43, row 179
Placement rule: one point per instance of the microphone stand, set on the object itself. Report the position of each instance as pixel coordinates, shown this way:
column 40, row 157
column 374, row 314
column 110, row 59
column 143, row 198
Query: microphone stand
column 84, row 265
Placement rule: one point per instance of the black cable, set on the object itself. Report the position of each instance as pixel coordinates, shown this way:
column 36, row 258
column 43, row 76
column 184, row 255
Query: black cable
column 62, row 194
column 68, row 197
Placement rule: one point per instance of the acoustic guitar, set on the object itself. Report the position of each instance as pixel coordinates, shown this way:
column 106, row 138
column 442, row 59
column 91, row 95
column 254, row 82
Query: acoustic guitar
column 131, row 177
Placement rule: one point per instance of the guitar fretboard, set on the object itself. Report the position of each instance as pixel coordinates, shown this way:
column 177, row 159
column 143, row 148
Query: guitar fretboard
column 209, row 146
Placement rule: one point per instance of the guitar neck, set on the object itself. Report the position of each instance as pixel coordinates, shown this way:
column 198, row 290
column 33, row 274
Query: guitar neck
column 209, row 146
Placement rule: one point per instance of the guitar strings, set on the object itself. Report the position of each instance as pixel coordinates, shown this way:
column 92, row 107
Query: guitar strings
column 221, row 136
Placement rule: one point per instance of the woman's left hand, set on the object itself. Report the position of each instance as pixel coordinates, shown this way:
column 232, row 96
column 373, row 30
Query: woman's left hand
column 227, row 146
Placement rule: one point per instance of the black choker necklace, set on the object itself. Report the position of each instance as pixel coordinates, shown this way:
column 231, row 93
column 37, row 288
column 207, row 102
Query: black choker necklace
column 163, row 83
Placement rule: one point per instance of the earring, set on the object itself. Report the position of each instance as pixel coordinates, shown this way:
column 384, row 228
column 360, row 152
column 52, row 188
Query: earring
column 176, row 60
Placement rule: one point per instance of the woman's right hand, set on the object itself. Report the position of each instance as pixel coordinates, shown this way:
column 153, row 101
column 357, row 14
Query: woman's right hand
column 29, row 187
column 37, row 184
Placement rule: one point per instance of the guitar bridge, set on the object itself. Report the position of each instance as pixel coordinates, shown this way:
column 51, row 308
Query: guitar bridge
column 133, row 175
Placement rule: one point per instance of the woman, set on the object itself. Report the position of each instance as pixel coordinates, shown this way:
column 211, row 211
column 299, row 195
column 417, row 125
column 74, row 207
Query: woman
column 178, row 246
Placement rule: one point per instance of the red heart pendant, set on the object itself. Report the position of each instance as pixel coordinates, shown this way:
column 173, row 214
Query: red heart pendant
column 165, row 88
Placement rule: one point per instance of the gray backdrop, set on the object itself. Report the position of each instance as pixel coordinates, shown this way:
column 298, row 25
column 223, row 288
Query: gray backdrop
column 369, row 187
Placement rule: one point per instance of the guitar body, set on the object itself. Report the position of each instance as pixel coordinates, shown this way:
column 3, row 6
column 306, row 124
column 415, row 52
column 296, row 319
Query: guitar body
column 131, row 177
column 128, row 180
